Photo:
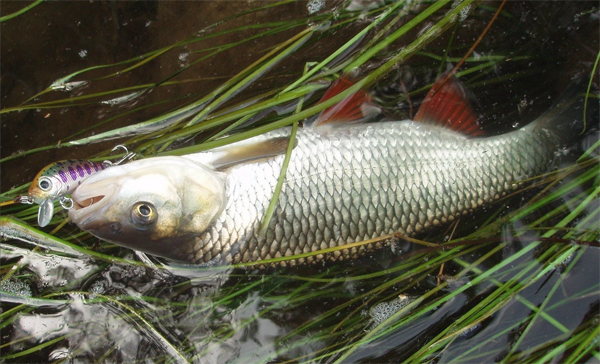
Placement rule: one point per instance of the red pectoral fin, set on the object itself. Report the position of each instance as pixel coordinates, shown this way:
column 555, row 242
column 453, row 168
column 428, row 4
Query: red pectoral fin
column 446, row 104
column 356, row 107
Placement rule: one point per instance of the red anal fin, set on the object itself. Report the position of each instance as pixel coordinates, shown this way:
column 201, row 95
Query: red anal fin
column 356, row 107
column 446, row 105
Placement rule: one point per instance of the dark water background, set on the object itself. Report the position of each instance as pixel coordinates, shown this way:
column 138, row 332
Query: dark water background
column 55, row 39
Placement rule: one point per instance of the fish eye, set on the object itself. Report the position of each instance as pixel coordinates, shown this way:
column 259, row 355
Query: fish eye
column 144, row 210
column 45, row 184
column 143, row 213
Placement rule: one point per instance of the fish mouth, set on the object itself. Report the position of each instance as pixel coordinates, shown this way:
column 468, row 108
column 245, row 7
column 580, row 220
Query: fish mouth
column 90, row 201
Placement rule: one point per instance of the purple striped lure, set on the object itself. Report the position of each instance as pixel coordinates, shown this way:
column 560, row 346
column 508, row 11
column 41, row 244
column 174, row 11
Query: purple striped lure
column 59, row 179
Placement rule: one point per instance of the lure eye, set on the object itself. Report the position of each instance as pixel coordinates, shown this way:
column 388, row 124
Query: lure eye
column 45, row 184
column 143, row 213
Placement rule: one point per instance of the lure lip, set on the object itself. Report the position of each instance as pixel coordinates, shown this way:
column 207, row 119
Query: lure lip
column 45, row 212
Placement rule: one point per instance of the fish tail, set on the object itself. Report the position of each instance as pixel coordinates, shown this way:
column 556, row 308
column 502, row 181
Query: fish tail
column 573, row 114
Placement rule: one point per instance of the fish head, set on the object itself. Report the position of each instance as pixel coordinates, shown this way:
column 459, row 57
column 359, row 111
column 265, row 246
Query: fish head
column 156, row 205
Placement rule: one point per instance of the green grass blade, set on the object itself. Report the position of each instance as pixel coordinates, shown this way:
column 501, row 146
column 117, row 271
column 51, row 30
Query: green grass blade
column 22, row 11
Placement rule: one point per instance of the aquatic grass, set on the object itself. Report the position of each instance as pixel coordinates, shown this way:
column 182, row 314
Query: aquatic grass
column 155, row 122
column 546, row 301
column 419, row 270
column 37, row 348
column 21, row 11
column 150, row 329
column 14, row 229
column 127, row 314
column 552, row 264
column 507, row 293
column 588, row 90
column 236, row 83
column 62, row 84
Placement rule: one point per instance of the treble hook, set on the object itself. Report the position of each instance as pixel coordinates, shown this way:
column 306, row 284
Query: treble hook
column 128, row 155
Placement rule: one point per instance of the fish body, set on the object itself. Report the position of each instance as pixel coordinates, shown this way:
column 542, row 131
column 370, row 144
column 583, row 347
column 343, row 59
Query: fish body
column 343, row 185
column 365, row 181
column 57, row 180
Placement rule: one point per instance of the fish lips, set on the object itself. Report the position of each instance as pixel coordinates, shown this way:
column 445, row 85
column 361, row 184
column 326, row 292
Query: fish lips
column 90, row 201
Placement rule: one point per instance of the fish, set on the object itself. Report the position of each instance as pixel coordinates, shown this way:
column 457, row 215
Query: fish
column 59, row 179
column 346, row 183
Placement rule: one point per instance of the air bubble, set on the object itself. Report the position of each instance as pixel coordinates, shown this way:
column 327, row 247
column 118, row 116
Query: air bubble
column 15, row 287
column 183, row 59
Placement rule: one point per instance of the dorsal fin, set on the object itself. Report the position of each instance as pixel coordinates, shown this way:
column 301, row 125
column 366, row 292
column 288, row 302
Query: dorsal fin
column 446, row 104
column 247, row 151
column 354, row 108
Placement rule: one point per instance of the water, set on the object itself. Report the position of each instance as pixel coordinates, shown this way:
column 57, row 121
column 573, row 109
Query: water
column 61, row 305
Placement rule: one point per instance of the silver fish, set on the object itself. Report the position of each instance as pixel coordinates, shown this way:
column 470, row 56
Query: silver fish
column 343, row 185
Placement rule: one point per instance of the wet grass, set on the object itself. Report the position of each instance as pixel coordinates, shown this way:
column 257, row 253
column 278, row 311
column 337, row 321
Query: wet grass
column 496, row 289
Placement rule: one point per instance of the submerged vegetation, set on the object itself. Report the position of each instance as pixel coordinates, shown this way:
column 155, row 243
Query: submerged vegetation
column 515, row 282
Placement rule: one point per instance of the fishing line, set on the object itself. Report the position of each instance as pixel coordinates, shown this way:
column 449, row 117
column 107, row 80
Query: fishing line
column 450, row 74
column 460, row 63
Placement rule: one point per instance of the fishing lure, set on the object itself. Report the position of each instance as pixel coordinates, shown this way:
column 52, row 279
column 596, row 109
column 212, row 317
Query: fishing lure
column 59, row 179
